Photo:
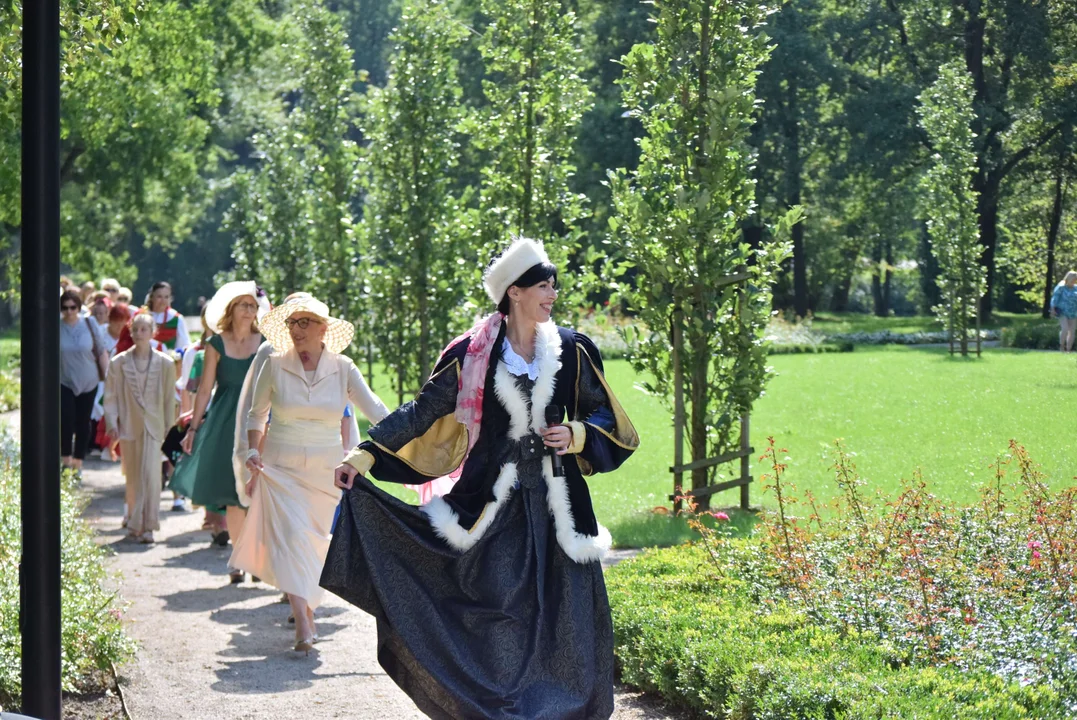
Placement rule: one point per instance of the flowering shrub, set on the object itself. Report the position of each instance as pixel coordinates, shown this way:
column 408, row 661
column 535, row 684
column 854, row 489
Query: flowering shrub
column 885, row 337
column 92, row 627
column 883, row 607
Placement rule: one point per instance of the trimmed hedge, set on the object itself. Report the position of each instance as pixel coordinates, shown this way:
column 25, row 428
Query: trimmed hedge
column 809, row 348
column 702, row 643
column 1041, row 336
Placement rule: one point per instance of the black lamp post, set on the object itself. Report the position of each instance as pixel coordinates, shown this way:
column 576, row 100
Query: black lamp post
column 39, row 580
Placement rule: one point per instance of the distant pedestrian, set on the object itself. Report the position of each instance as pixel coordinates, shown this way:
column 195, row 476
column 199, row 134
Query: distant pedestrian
column 1064, row 307
column 83, row 361
column 140, row 406
column 112, row 287
column 125, row 296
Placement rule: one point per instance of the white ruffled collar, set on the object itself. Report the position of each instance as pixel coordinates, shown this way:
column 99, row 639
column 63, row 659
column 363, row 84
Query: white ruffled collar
column 516, row 364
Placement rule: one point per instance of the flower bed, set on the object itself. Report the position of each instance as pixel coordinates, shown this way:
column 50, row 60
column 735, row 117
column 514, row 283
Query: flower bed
column 93, row 637
column 890, row 608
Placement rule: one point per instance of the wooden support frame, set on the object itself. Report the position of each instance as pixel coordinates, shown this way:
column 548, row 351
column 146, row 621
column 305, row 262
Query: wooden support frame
column 743, row 453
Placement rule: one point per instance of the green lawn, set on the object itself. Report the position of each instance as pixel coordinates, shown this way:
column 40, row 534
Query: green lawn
column 831, row 322
column 897, row 408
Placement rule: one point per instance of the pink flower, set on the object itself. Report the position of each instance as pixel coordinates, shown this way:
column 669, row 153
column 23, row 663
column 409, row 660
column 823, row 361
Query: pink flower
column 1033, row 544
column 1035, row 554
column 720, row 516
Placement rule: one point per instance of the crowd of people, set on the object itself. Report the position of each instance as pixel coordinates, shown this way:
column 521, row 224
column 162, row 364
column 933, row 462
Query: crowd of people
column 489, row 595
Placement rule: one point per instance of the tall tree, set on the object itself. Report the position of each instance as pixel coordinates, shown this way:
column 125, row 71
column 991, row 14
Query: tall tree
column 679, row 215
column 412, row 126
column 949, row 201
column 524, row 134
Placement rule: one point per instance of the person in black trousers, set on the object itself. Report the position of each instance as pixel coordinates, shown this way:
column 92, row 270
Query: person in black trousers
column 82, row 359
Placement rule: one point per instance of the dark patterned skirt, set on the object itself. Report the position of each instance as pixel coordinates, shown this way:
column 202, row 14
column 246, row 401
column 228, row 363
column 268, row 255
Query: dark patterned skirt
column 512, row 628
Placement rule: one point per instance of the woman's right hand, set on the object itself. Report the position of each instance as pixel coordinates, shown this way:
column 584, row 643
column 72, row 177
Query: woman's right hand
column 187, row 445
column 344, row 476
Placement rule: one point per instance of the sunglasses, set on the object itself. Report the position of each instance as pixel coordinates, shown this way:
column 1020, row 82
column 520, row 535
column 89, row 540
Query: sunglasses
column 303, row 323
column 65, row 308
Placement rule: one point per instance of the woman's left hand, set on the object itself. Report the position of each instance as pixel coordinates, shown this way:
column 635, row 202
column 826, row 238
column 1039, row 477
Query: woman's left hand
column 558, row 437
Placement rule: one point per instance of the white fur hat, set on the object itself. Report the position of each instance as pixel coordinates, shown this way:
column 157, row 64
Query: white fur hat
column 521, row 256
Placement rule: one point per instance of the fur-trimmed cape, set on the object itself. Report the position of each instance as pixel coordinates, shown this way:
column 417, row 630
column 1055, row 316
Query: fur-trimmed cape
column 422, row 440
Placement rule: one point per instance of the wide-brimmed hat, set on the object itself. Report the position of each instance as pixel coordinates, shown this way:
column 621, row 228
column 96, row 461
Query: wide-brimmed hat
column 338, row 336
column 521, row 256
column 218, row 304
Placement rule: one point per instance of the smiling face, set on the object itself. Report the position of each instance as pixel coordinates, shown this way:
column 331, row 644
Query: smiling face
column 244, row 311
column 533, row 304
column 309, row 338
column 160, row 299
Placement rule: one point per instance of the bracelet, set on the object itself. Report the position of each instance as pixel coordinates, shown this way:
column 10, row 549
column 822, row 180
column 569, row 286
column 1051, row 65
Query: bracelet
column 253, row 453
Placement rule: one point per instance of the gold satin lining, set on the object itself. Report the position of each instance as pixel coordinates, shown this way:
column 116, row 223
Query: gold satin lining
column 579, row 437
column 361, row 460
column 438, row 451
column 624, row 433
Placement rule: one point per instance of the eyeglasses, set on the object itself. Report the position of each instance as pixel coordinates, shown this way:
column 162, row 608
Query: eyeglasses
column 67, row 308
column 303, row 323
column 249, row 307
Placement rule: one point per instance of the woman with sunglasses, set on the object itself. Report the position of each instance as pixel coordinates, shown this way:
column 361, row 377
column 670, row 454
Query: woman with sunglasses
column 82, row 366
column 307, row 383
column 204, row 474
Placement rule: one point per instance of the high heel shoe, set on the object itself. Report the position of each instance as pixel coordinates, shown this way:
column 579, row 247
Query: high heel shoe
column 305, row 646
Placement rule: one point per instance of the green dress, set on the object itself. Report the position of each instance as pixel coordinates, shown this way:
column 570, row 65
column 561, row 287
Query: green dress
column 206, row 474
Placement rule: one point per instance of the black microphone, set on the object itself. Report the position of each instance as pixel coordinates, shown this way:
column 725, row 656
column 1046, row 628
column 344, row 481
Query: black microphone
column 553, row 417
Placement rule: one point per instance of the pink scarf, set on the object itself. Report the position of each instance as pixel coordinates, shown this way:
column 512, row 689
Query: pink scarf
column 469, row 396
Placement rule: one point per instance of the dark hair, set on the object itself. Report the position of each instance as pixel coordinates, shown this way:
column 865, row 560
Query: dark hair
column 72, row 295
column 534, row 275
column 160, row 284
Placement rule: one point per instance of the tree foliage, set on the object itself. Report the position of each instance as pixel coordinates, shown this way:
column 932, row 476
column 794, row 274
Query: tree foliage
column 524, row 135
column 949, row 201
column 417, row 250
column 679, row 214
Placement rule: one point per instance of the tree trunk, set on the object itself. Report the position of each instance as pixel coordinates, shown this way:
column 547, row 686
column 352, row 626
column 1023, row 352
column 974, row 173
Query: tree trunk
column 879, row 291
column 888, row 274
column 793, row 173
column 988, row 220
column 929, row 272
column 1052, row 237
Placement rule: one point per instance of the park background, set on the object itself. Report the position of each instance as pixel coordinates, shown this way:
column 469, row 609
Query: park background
column 377, row 153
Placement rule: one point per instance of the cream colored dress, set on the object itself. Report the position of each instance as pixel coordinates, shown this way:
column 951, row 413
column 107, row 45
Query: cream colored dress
column 286, row 535
column 140, row 407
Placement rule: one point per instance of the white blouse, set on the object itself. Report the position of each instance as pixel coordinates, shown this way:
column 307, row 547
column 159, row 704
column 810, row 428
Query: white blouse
column 307, row 410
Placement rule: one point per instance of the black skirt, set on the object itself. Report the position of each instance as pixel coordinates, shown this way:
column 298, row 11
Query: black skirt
column 512, row 628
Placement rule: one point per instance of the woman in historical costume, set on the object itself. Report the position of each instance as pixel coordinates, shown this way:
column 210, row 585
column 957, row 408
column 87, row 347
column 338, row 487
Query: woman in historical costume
column 307, row 384
column 205, row 474
column 490, row 600
column 140, row 406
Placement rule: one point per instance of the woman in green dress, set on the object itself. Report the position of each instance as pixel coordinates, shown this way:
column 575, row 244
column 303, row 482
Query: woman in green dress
column 205, row 474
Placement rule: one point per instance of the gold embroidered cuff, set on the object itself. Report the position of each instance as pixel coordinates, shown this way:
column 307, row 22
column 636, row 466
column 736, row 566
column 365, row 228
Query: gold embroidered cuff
column 579, row 436
column 361, row 460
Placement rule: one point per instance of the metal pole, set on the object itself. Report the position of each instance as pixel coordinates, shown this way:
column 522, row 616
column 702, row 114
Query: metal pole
column 39, row 609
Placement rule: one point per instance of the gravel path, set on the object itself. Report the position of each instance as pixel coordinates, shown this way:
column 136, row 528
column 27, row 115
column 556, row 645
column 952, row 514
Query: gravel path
column 210, row 649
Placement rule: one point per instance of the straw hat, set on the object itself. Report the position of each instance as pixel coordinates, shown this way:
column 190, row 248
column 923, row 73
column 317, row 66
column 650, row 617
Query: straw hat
column 521, row 256
column 338, row 336
column 218, row 305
